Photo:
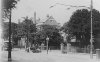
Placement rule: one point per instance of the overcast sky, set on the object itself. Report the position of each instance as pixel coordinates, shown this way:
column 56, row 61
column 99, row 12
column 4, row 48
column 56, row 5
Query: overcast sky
column 59, row 12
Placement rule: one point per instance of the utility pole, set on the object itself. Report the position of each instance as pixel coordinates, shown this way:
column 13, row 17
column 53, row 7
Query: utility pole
column 91, row 40
column 35, row 20
column 35, row 17
column 28, row 24
column 9, row 45
column 35, row 23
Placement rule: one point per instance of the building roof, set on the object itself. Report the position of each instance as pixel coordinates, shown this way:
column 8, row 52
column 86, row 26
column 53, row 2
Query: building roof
column 51, row 21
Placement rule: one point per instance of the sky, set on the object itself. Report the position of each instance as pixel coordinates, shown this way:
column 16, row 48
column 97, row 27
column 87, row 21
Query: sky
column 60, row 13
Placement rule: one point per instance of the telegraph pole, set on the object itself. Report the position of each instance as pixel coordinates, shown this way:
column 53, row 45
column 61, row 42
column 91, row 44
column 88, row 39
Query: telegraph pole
column 91, row 40
column 35, row 17
column 9, row 45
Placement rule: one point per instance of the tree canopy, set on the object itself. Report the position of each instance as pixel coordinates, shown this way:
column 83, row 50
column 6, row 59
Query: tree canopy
column 27, row 26
column 6, row 30
column 79, row 25
column 53, row 33
column 9, row 4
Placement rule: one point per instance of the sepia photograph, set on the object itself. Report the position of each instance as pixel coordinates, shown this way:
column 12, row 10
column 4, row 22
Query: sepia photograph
column 50, row 31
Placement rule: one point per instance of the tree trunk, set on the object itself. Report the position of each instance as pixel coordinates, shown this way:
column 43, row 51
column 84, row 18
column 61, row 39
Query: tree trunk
column 9, row 46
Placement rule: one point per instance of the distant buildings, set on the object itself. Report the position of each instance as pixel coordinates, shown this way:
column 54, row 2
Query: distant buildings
column 49, row 21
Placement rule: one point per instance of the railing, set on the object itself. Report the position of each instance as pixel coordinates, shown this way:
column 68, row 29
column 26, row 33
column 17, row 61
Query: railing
column 50, row 47
column 80, row 50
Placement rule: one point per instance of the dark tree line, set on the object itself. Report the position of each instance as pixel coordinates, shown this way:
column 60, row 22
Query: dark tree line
column 79, row 25
column 27, row 29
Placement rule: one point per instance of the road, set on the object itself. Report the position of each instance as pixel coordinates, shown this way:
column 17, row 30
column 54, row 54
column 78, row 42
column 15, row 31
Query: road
column 53, row 56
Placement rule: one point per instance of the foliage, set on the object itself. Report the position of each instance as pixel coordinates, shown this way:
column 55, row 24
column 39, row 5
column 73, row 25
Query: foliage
column 79, row 25
column 26, row 29
column 27, row 26
column 52, row 32
column 49, row 29
column 7, row 6
column 6, row 31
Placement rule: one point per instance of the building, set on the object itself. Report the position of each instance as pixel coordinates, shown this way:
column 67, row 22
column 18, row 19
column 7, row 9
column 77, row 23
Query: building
column 49, row 21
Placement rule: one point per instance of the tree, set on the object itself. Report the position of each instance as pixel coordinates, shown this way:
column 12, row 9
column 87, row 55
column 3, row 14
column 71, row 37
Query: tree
column 53, row 33
column 79, row 25
column 6, row 30
column 26, row 29
column 7, row 7
column 49, row 29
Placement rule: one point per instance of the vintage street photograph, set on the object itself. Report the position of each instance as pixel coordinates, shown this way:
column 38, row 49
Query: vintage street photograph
column 50, row 31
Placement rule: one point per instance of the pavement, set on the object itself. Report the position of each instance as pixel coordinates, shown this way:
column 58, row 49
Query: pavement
column 20, row 55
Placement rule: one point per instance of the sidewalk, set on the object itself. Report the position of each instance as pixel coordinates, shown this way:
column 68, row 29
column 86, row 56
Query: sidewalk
column 52, row 56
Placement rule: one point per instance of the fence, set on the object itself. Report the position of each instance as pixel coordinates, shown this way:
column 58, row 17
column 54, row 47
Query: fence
column 50, row 47
column 80, row 50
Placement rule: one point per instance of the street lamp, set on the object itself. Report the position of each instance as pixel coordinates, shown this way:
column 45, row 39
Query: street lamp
column 47, row 39
column 91, row 8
